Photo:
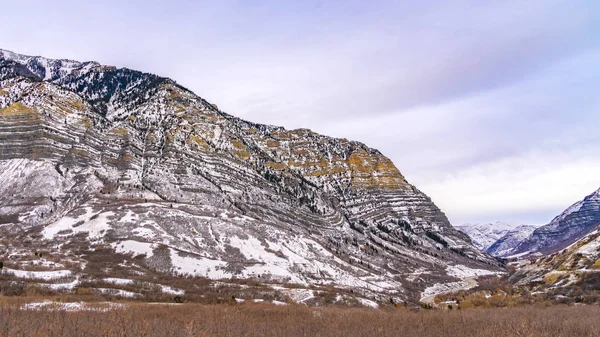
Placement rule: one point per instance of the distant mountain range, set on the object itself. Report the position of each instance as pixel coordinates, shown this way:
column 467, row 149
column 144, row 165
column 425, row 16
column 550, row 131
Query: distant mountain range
column 508, row 240
column 485, row 235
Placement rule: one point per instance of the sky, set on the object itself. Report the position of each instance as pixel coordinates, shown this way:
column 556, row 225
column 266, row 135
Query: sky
column 489, row 107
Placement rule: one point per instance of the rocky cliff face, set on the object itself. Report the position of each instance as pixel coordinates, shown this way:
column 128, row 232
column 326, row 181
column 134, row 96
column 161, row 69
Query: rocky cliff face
column 575, row 222
column 95, row 156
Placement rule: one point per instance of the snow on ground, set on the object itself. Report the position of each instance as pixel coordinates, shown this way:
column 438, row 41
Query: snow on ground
column 415, row 274
column 61, row 286
column 199, row 266
column 124, row 281
column 47, row 264
column 118, row 281
column 116, row 292
column 267, row 262
column 368, row 303
column 171, row 290
column 72, row 306
column 516, row 256
column 93, row 224
column 252, row 248
column 299, row 295
column 44, row 275
column 461, row 271
column 441, row 288
column 144, row 232
column 591, row 248
column 134, row 247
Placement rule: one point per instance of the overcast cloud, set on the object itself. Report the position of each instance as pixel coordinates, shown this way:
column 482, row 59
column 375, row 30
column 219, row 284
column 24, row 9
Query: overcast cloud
column 490, row 107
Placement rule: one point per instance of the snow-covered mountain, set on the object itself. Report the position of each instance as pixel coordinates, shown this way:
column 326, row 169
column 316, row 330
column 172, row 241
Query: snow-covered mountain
column 484, row 235
column 505, row 245
column 99, row 159
column 575, row 222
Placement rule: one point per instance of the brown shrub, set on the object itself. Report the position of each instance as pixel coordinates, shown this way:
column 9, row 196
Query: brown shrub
column 296, row 320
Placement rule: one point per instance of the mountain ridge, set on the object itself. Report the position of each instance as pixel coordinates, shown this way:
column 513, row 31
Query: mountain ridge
column 486, row 234
column 136, row 162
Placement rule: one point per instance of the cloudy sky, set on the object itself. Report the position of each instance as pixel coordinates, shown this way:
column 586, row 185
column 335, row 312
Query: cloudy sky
column 490, row 107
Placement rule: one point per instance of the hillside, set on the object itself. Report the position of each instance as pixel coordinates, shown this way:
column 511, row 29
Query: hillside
column 571, row 274
column 115, row 172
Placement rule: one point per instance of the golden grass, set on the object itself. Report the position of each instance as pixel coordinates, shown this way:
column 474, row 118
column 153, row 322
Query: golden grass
column 295, row 320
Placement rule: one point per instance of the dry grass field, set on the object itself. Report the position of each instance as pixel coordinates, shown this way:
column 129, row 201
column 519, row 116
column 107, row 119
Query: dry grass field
column 142, row 319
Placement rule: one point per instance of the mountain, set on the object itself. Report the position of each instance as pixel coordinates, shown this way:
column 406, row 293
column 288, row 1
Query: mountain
column 569, row 275
column 505, row 245
column 111, row 171
column 485, row 235
column 578, row 220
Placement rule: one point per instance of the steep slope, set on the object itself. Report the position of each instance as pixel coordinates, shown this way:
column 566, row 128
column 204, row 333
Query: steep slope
column 506, row 244
column 483, row 235
column 575, row 222
column 573, row 274
column 93, row 157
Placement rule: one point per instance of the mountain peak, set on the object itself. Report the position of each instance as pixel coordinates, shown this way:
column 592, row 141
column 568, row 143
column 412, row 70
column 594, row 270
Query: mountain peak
column 117, row 159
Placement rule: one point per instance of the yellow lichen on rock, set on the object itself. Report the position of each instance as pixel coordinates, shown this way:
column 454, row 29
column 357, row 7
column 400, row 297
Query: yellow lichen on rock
column 243, row 154
column 79, row 152
column 127, row 157
column 18, row 108
column 374, row 170
column 273, row 143
column 75, row 105
column 86, row 122
column 238, row 145
column 302, row 152
column 120, row 131
column 551, row 278
column 240, row 150
column 197, row 141
column 276, row 165
column 327, row 171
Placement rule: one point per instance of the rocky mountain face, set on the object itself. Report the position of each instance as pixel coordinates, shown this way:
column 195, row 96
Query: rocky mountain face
column 99, row 159
column 575, row 222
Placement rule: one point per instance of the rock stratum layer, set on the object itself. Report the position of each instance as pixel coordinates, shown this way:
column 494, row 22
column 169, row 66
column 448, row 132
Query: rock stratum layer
column 93, row 157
